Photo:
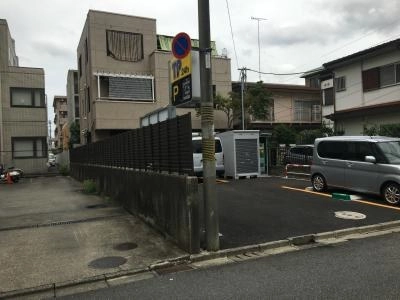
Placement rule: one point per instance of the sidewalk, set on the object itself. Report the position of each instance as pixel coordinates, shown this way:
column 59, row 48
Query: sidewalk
column 52, row 233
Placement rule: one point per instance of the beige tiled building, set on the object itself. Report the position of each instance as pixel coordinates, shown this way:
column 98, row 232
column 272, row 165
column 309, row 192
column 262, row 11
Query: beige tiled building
column 296, row 105
column 23, row 113
column 123, row 74
column 72, row 96
column 60, row 120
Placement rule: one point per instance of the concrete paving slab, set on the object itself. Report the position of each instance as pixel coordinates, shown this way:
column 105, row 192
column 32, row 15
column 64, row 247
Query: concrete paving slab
column 63, row 252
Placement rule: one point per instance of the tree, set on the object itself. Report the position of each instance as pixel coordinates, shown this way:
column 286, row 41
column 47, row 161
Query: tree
column 258, row 101
column 225, row 104
column 283, row 134
column 308, row 136
column 74, row 130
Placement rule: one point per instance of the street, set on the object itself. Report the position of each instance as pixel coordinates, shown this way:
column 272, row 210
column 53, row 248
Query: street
column 358, row 269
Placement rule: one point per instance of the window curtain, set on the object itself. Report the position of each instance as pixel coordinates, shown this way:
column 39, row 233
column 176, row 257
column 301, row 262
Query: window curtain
column 126, row 46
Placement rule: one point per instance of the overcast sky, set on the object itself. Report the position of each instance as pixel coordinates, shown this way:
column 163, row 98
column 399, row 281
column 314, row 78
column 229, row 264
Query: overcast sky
column 297, row 36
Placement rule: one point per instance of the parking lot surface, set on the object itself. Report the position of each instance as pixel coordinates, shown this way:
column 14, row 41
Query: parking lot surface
column 268, row 209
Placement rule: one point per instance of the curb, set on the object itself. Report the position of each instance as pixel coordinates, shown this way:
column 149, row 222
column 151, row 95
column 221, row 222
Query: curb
column 203, row 256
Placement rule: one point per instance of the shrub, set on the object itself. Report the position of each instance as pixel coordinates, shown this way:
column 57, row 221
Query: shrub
column 64, row 170
column 89, row 186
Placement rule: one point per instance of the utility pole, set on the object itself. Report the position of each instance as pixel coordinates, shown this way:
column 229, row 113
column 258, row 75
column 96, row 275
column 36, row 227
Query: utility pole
column 259, row 55
column 207, row 129
column 49, row 135
column 243, row 76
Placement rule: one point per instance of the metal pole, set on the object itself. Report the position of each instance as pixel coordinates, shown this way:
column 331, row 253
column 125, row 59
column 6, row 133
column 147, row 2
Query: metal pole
column 242, row 93
column 259, row 48
column 207, row 129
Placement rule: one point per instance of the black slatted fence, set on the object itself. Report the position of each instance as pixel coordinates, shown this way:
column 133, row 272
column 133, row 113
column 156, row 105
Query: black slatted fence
column 165, row 146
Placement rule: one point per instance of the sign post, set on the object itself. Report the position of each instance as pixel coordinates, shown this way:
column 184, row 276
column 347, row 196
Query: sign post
column 181, row 70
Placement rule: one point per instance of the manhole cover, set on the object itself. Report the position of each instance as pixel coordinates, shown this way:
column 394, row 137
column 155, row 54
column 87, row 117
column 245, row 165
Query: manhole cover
column 107, row 262
column 125, row 246
column 97, row 206
column 349, row 215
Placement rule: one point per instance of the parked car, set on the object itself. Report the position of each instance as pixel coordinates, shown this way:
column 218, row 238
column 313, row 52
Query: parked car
column 198, row 156
column 358, row 163
column 52, row 159
column 300, row 154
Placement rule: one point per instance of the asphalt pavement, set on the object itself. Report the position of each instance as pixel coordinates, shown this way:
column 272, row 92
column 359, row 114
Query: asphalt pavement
column 58, row 240
column 358, row 269
column 267, row 209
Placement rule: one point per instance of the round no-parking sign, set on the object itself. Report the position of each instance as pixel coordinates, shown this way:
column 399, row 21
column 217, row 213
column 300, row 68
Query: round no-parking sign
column 181, row 45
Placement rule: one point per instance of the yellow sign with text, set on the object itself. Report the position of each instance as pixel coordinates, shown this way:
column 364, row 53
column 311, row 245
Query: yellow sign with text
column 180, row 68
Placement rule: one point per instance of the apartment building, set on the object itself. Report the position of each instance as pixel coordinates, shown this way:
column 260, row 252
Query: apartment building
column 296, row 105
column 72, row 96
column 361, row 90
column 123, row 74
column 23, row 112
column 61, row 122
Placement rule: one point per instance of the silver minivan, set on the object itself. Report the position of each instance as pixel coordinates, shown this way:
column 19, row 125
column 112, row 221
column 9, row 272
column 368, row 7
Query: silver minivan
column 359, row 163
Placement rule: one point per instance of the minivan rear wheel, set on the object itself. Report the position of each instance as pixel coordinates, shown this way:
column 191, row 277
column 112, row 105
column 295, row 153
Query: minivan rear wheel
column 318, row 183
column 391, row 193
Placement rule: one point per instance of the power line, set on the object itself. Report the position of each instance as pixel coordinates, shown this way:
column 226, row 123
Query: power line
column 278, row 74
column 233, row 39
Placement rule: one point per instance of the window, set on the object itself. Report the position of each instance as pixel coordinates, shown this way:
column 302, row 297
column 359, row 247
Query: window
column 76, row 106
column 330, row 149
column 370, row 79
column 88, row 98
column 76, row 91
column 314, row 82
column 127, row 88
column 328, row 96
column 125, row 46
column 340, row 84
column 380, row 77
column 28, row 147
column 27, row 97
column 387, row 75
column 271, row 111
column 305, row 110
column 398, row 73
column 356, row 151
column 80, row 65
column 86, row 52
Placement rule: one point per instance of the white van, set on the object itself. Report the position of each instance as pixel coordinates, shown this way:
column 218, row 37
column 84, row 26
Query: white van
column 198, row 156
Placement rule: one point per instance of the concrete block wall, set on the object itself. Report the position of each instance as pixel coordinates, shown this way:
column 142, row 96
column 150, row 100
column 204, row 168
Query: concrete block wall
column 168, row 202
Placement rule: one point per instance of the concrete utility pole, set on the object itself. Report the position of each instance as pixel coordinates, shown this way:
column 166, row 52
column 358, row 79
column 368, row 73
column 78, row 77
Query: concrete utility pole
column 243, row 76
column 259, row 55
column 207, row 129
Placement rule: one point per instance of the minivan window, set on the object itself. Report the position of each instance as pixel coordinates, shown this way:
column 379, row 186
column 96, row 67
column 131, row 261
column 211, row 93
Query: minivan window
column 197, row 148
column 332, row 149
column 357, row 151
column 391, row 151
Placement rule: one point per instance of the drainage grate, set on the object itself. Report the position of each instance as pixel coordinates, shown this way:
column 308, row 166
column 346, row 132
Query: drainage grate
column 173, row 269
column 107, row 262
column 125, row 246
column 97, row 206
